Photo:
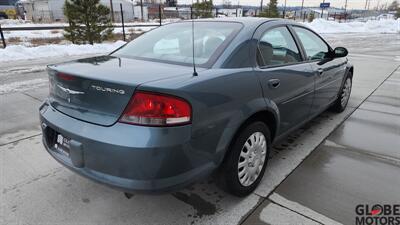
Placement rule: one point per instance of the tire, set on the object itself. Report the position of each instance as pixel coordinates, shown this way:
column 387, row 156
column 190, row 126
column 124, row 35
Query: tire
column 343, row 96
column 255, row 138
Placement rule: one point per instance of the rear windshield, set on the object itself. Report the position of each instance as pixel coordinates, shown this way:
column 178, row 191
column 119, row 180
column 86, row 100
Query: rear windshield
column 172, row 43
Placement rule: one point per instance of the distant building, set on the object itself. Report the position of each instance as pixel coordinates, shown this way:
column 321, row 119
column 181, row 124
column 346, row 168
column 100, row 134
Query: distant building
column 8, row 2
column 52, row 10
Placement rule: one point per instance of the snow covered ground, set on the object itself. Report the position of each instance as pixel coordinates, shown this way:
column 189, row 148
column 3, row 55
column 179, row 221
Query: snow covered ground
column 18, row 52
column 371, row 26
column 319, row 25
column 24, row 52
column 26, row 35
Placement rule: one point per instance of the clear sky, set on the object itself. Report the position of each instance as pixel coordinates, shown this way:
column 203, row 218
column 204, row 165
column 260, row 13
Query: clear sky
column 351, row 4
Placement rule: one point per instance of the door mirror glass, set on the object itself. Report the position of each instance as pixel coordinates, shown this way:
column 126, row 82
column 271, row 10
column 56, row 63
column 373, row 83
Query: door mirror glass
column 340, row 52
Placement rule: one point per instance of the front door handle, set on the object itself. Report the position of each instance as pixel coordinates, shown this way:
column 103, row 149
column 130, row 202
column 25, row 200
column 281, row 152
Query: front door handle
column 274, row 83
column 320, row 71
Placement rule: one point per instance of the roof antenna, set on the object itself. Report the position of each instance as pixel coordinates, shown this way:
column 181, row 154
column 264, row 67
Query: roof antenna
column 194, row 63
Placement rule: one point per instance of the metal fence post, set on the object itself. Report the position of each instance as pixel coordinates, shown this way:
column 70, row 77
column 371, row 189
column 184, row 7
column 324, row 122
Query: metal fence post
column 2, row 37
column 122, row 20
column 112, row 11
column 191, row 12
column 159, row 12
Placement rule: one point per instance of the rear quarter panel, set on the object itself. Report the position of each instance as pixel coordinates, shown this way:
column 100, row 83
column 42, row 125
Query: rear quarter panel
column 221, row 99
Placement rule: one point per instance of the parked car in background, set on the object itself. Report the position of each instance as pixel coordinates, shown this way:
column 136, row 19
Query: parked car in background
column 3, row 16
column 142, row 119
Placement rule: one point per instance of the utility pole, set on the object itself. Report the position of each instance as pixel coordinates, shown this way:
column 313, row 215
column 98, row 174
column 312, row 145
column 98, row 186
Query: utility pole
column 322, row 11
column 345, row 11
column 302, row 5
column 141, row 10
column 284, row 11
column 122, row 21
column 261, row 6
column 112, row 11
column 133, row 10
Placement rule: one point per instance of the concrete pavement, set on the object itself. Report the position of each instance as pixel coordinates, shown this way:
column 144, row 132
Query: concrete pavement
column 37, row 190
column 358, row 163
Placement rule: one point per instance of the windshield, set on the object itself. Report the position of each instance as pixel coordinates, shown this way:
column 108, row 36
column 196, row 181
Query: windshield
column 173, row 43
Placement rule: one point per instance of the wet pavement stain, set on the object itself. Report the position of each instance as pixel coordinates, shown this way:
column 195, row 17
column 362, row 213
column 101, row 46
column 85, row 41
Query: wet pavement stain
column 202, row 207
column 85, row 200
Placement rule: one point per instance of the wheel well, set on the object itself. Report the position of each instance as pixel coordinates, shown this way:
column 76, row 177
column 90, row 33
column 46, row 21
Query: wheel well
column 264, row 116
column 351, row 70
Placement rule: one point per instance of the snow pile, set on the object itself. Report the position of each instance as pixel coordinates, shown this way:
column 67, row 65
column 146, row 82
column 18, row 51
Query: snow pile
column 371, row 26
column 26, row 35
column 11, row 22
column 19, row 52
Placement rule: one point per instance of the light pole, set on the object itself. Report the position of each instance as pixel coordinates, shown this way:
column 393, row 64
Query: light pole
column 284, row 10
column 345, row 11
column 322, row 11
column 112, row 11
column 261, row 5
column 141, row 10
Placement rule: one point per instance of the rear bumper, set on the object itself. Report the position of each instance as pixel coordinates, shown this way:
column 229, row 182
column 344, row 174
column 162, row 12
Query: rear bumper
column 127, row 157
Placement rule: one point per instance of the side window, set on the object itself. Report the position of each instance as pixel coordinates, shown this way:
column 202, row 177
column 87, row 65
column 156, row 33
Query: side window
column 277, row 47
column 314, row 46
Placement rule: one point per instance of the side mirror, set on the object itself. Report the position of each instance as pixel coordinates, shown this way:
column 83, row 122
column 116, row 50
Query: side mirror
column 340, row 52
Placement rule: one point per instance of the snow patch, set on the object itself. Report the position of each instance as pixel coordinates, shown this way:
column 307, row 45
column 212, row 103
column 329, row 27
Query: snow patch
column 19, row 52
column 371, row 26
column 22, row 85
column 11, row 22
column 19, row 70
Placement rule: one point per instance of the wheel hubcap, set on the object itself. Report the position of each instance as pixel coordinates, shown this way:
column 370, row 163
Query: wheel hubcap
column 346, row 92
column 252, row 158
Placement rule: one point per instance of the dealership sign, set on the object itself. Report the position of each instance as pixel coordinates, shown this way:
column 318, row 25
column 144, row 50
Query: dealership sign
column 325, row 5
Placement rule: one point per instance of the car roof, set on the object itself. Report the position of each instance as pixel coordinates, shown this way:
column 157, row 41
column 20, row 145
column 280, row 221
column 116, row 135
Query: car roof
column 248, row 22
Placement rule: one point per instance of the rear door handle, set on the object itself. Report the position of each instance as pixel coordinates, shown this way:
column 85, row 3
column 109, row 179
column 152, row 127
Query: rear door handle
column 274, row 83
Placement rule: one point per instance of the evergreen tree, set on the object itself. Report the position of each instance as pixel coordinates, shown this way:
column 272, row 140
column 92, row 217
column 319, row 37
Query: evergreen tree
column 271, row 11
column 393, row 6
column 203, row 9
column 89, row 21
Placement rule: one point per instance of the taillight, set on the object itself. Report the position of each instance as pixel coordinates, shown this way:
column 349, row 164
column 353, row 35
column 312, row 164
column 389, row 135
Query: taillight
column 66, row 77
column 154, row 109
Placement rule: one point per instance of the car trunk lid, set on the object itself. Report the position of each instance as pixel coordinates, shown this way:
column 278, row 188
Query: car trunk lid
column 97, row 90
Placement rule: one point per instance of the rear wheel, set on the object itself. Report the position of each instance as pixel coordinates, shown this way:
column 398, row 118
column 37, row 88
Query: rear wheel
column 344, row 96
column 244, row 166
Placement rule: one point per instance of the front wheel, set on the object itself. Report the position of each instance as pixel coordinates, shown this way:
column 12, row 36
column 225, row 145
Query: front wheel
column 244, row 166
column 344, row 96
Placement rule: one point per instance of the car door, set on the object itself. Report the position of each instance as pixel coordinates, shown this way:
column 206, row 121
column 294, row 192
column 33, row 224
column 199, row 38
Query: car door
column 329, row 71
column 286, row 79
